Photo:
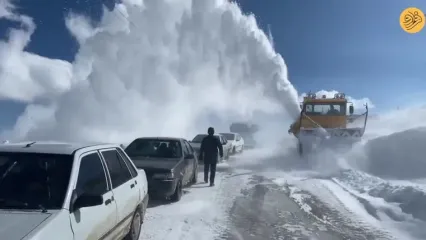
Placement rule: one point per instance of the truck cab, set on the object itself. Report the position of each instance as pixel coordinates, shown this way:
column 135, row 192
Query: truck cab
column 323, row 113
column 327, row 118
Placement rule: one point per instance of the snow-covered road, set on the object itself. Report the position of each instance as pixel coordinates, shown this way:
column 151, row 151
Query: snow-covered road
column 261, row 199
column 247, row 204
column 202, row 212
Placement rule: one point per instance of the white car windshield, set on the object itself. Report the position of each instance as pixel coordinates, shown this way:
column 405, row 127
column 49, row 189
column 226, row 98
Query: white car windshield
column 199, row 138
column 34, row 180
column 228, row 136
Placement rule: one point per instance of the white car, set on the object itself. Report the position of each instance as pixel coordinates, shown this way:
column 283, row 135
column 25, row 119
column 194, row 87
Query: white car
column 236, row 141
column 51, row 191
column 196, row 144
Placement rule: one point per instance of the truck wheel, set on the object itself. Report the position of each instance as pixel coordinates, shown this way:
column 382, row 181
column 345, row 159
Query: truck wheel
column 135, row 227
column 177, row 195
column 300, row 148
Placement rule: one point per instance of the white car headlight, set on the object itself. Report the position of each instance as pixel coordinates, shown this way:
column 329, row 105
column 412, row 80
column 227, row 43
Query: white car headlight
column 163, row 176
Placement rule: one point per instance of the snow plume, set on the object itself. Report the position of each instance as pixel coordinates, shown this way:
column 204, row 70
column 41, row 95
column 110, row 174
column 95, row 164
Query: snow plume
column 157, row 67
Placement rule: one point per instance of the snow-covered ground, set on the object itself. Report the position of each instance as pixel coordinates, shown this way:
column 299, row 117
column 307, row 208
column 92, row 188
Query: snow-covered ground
column 349, row 193
column 202, row 212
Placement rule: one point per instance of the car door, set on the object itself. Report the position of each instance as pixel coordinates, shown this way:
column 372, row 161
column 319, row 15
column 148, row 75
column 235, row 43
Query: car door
column 195, row 158
column 224, row 145
column 191, row 159
column 126, row 194
column 239, row 143
column 93, row 222
column 187, row 163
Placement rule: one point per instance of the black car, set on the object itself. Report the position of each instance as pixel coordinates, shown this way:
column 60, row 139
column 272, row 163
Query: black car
column 169, row 163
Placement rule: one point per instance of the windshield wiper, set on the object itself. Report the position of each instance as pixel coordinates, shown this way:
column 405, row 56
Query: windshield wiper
column 7, row 171
column 13, row 203
column 21, row 205
column 42, row 208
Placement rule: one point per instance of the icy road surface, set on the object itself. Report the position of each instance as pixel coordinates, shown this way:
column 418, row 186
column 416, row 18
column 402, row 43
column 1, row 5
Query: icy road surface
column 258, row 204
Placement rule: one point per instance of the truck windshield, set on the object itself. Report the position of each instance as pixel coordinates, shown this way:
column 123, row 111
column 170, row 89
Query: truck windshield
column 34, row 180
column 335, row 109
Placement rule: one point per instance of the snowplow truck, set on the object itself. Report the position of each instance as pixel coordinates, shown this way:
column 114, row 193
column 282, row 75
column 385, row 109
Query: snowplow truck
column 326, row 120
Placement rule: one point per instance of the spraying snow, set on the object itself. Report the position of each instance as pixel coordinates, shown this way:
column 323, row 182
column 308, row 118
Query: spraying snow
column 157, row 68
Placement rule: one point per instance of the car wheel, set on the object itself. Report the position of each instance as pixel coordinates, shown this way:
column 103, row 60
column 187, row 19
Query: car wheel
column 195, row 176
column 135, row 227
column 177, row 195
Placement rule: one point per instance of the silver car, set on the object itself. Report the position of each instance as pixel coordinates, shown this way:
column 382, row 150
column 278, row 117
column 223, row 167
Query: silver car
column 196, row 144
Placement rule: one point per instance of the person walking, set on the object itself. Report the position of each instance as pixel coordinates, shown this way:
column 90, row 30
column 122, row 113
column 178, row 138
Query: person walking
column 209, row 153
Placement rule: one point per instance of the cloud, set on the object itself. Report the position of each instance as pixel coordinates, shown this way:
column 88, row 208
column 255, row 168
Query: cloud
column 6, row 9
column 25, row 76
column 80, row 27
column 153, row 68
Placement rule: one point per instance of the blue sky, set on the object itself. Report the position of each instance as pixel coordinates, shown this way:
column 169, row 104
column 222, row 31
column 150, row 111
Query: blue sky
column 353, row 46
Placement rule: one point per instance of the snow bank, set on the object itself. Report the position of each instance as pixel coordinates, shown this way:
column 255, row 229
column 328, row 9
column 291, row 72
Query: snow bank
column 399, row 155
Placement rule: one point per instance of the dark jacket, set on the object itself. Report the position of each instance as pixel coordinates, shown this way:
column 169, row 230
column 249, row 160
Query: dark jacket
column 208, row 149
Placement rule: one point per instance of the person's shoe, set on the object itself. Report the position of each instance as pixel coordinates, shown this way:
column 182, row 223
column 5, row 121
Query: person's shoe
column 211, row 184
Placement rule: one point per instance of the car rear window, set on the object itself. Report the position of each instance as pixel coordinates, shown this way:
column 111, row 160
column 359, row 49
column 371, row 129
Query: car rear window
column 155, row 148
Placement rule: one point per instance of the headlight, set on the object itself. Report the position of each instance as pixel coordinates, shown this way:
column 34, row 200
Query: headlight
column 163, row 176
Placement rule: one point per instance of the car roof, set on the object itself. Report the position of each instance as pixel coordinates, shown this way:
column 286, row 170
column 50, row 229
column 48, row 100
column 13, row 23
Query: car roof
column 161, row 138
column 229, row 133
column 205, row 134
column 50, row 147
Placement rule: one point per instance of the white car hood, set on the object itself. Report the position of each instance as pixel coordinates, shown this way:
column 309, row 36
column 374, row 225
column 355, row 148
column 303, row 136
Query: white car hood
column 15, row 225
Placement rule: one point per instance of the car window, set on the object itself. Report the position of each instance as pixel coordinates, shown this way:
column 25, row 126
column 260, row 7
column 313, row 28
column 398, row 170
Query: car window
column 199, row 138
column 185, row 150
column 131, row 167
column 229, row 136
column 91, row 176
column 155, row 148
column 117, row 168
column 34, row 180
column 190, row 149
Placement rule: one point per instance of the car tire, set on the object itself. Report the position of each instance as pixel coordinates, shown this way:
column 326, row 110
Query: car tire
column 135, row 226
column 177, row 195
column 194, row 178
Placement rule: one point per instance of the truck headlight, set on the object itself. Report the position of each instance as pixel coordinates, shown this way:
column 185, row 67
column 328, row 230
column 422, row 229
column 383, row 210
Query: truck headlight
column 163, row 176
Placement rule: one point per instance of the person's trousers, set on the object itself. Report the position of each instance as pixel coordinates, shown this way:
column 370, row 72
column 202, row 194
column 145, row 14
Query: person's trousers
column 212, row 168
